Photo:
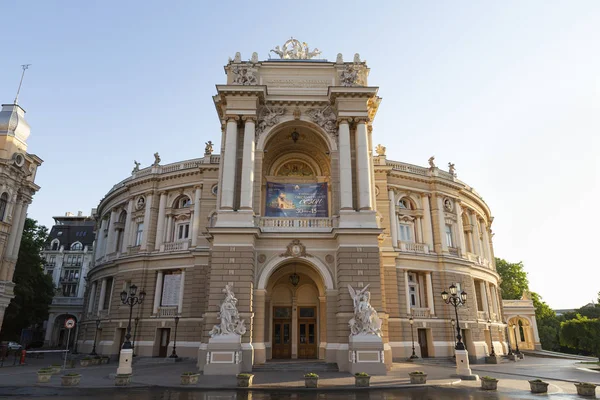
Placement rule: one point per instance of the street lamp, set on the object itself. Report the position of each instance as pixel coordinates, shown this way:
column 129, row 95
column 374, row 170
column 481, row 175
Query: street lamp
column 136, row 320
column 412, row 336
column 174, row 353
column 93, row 353
column 493, row 352
column 517, row 352
column 131, row 299
column 510, row 352
column 456, row 300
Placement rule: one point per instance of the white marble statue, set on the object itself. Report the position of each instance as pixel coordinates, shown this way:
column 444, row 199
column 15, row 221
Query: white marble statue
column 294, row 50
column 231, row 324
column 365, row 321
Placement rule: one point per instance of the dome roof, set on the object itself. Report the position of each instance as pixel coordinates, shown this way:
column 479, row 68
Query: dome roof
column 13, row 123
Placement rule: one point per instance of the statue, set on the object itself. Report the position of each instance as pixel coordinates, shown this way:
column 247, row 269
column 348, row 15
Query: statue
column 431, row 162
column 325, row 118
column 156, row 160
column 254, row 58
column 237, row 58
column 339, row 59
column 243, row 76
column 365, row 321
column 451, row 169
column 356, row 58
column 294, row 50
column 268, row 117
column 380, row 150
column 209, row 148
column 228, row 314
column 136, row 168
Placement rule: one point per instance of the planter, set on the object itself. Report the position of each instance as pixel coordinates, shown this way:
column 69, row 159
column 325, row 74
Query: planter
column 70, row 380
column 44, row 375
column 84, row 362
column 489, row 383
column 362, row 381
column 55, row 368
column 189, row 379
column 104, row 360
column 70, row 364
column 122, row 379
column 586, row 389
column 244, row 380
column 418, row 379
column 538, row 386
column 95, row 361
column 311, row 382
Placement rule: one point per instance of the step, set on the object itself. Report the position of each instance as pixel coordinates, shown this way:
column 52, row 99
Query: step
column 157, row 360
column 296, row 366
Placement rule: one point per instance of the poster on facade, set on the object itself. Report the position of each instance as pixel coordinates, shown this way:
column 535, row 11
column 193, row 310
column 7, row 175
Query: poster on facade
column 171, row 288
column 300, row 200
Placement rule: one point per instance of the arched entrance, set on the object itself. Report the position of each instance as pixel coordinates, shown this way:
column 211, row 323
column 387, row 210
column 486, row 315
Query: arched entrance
column 60, row 333
column 295, row 323
column 521, row 333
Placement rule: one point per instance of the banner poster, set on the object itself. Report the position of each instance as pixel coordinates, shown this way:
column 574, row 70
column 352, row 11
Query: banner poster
column 301, row 200
column 171, row 288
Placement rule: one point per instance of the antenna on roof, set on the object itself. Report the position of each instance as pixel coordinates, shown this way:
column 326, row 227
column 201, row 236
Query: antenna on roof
column 25, row 67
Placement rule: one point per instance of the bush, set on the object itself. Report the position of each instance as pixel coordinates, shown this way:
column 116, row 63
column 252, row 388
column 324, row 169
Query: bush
column 311, row 375
column 361, row 374
column 418, row 373
column 244, row 375
column 73, row 374
column 488, row 378
column 189, row 373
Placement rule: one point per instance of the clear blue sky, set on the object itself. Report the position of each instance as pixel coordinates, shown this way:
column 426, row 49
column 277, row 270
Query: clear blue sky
column 508, row 91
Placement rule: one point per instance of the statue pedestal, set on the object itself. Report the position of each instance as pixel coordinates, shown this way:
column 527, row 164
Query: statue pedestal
column 224, row 355
column 463, row 371
column 366, row 355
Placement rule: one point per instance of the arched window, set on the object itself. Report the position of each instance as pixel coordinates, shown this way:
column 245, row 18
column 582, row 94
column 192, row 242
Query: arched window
column 405, row 204
column 183, row 202
column 521, row 331
column 3, row 204
column 77, row 246
column 55, row 244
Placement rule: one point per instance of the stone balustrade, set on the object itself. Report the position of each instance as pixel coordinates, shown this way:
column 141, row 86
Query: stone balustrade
column 420, row 312
column 167, row 311
column 482, row 315
column 175, row 246
column 268, row 224
column 413, row 247
column 68, row 301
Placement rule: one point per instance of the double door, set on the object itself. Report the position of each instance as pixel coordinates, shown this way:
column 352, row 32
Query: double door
column 282, row 338
column 307, row 339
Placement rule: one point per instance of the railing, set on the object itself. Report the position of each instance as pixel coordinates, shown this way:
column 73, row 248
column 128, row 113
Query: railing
column 67, row 301
column 413, row 247
column 215, row 159
column 175, row 246
column 482, row 315
column 168, row 311
column 134, row 250
column 403, row 167
column 421, row 312
column 269, row 224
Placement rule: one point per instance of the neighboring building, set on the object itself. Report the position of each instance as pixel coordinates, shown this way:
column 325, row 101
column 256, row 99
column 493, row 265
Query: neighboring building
column 69, row 256
column 17, row 175
column 522, row 324
column 295, row 209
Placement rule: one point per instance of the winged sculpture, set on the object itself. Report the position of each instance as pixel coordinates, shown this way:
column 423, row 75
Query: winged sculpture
column 365, row 321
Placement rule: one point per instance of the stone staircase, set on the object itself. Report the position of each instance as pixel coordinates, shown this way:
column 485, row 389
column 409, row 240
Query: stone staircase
column 296, row 366
column 157, row 360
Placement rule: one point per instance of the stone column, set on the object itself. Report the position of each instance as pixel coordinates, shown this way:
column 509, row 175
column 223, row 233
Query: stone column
column 14, row 229
column 181, row 290
column 227, row 187
column 92, row 298
column 258, row 329
column 345, row 165
column 470, row 239
column 110, row 239
column 294, row 327
column 362, row 166
column 461, row 230
column 393, row 218
column 102, row 295
column 484, row 298
column 127, row 230
column 427, row 232
column 246, row 193
column 196, row 220
column 147, row 219
column 476, row 240
column 418, row 232
column 160, row 229
column 430, row 293
column 406, row 289
column 486, row 243
column 169, row 232
column 157, row 292
column 100, row 248
column 441, row 222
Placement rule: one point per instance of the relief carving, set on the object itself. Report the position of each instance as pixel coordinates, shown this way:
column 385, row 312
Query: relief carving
column 267, row 117
column 325, row 118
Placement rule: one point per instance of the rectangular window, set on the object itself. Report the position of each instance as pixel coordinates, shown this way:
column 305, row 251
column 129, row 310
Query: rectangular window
column 183, row 231
column 106, row 302
column 171, row 287
column 139, row 234
column 449, row 241
column 406, row 233
column 413, row 290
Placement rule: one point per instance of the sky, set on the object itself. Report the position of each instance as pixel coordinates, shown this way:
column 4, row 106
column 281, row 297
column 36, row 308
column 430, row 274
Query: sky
column 508, row 91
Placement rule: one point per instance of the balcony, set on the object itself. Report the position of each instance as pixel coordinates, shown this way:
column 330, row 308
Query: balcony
column 167, row 312
column 175, row 246
column 410, row 247
column 271, row 224
column 69, row 280
column 420, row 312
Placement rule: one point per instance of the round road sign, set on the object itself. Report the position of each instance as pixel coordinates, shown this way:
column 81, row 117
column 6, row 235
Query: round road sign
column 69, row 323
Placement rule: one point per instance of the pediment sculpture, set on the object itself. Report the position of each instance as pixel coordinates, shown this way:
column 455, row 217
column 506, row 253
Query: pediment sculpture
column 231, row 324
column 352, row 75
column 243, row 75
column 365, row 321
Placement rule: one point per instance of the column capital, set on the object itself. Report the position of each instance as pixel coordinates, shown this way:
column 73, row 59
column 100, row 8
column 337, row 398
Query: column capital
column 344, row 120
column 249, row 118
column 361, row 120
column 229, row 118
column 196, row 187
column 163, row 193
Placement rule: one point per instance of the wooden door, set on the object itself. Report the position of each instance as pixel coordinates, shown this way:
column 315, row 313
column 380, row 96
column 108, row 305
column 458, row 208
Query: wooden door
column 422, row 334
column 307, row 332
column 164, row 342
column 282, row 338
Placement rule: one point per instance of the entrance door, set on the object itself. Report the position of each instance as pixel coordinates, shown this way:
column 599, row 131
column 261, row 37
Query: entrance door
column 422, row 334
column 282, row 338
column 164, row 342
column 307, row 333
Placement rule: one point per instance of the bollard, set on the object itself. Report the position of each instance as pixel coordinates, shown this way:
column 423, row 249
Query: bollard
column 23, row 355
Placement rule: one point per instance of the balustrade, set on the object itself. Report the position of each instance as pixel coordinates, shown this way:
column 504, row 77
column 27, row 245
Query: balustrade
column 413, row 247
column 175, row 246
column 279, row 224
column 482, row 315
column 420, row 312
column 167, row 311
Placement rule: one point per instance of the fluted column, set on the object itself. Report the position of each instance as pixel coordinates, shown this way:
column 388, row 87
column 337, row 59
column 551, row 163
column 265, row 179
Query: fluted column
column 486, row 243
column 196, row 221
column 345, row 165
column 14, row 229
column 476, row 233
column 362, row 166
column 442, row 223
column 461, row 230
column 100, row 243
column 430, row 299
column 427, row 232
column 248, row 165
column 147, row 219
column 228, row 183
column 102, row 295
column 393, row 218
column 127, row 230
column 157, row 292
column 160, row 229
column 110, row 239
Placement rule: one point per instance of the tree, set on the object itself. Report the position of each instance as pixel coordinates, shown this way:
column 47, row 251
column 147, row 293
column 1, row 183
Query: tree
column 514, row 279
column 581, row 333
column 34, row 289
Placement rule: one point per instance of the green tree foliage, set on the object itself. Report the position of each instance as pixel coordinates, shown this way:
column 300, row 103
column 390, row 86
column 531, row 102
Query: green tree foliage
column 514, row 279
column 581, row 333
column 34, row 289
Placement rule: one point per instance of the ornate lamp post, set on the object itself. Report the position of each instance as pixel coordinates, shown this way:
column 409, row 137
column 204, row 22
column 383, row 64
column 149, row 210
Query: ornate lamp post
column 137, row 321
column 462, row 357
column 510, row 352
column 130, row 299
column 174, row 353
column 493, row 352
column 517, row 352
column 412, row 336
column 93, row 353
column 453, row 322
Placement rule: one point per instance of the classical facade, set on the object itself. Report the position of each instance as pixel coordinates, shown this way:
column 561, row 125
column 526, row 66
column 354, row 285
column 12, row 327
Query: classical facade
column 17, row 175
column 68, row 255
column 318, row 237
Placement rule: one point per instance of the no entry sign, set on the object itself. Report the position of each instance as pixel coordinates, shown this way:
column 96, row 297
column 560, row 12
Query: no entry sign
column 69, row 323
